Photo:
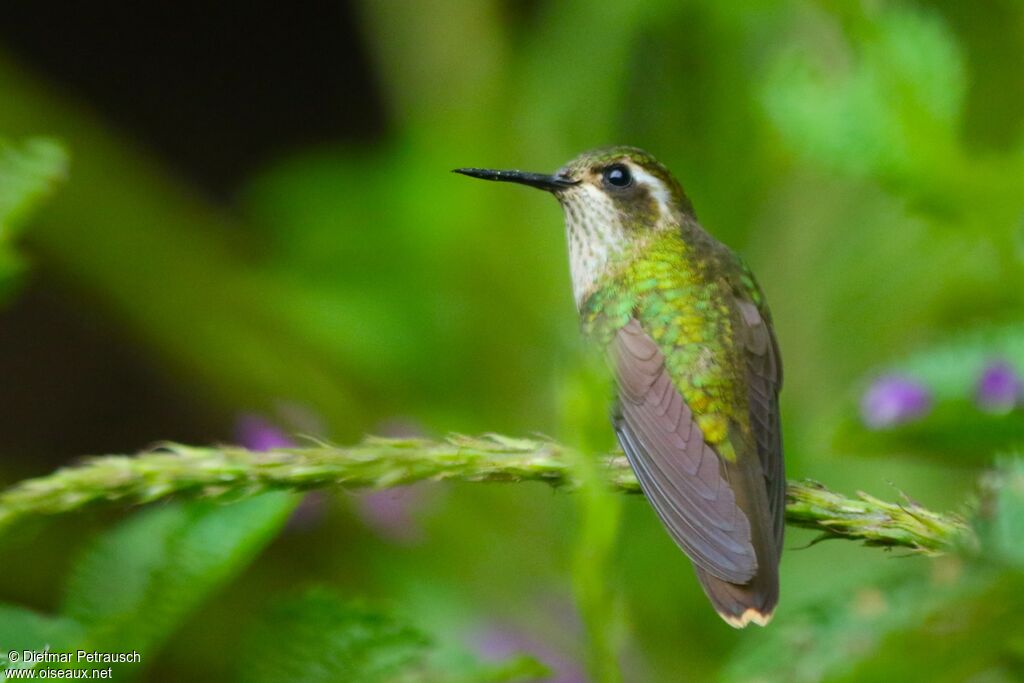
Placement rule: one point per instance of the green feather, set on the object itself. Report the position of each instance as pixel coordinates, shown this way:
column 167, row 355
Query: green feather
column 683, row 299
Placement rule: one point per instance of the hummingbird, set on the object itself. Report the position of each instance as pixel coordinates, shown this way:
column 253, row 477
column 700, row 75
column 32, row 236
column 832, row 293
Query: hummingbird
column 690, row 343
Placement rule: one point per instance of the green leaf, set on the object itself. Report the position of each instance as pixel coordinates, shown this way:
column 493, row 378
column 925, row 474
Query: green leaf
column 319, row 637
column 954, row 619
column 975, row 633
column 951, row 369
column 22, row 629
column 887, row 104
column 974, row 637
column 1002, row 526
column 139, row 581
column 955, row 425
column 28, row 173
column 830, row 636
column 521, row 668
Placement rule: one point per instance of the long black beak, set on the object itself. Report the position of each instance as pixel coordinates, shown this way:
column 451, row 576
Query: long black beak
column 551, row 183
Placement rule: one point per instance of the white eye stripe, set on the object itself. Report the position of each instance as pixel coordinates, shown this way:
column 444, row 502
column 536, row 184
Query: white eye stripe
column 657, row 188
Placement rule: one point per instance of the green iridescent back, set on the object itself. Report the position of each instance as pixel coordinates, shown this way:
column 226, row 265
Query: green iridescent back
column 683, row 294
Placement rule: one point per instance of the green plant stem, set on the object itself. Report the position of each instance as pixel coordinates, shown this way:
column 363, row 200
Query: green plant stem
column 231, row 472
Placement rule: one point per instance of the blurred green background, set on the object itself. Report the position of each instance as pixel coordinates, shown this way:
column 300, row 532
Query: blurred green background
column 257, row 219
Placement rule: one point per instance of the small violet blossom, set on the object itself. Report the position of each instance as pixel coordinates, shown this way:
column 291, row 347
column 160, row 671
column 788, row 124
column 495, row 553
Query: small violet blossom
column 999, row 388
column 257, row 434
column 496, row 643
column 393, row 514
column 893, row 400
column 396, row 514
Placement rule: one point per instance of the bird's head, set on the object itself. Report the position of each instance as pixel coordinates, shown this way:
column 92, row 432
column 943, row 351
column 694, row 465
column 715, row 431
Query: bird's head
column 624, row 189
column 611, row 197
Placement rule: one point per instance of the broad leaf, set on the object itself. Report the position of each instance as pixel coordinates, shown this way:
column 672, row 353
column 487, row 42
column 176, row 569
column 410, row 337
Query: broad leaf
column 830, row 637
column 319, row 636
column 138, row 582
column 28, row 173
column 22, row 629
column 885, row 107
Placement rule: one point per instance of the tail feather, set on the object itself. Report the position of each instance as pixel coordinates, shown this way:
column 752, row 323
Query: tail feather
column 740, row 605
column 754, row 601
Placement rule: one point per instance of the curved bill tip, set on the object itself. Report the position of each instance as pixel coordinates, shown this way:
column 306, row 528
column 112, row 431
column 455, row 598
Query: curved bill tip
column 542, row 181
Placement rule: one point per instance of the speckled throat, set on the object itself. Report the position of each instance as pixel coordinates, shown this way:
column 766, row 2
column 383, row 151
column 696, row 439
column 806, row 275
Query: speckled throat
column 595, row 236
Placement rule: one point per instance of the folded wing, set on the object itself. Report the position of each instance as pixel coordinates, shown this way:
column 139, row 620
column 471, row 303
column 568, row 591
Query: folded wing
column 679, row 472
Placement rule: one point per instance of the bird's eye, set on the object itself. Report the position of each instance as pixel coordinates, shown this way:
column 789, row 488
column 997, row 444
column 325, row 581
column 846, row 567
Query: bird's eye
column 618, row 176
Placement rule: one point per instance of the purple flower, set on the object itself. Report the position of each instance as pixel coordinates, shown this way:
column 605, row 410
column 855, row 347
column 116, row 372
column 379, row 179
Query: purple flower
column 893, row 400
column 497, row 640
column 999, row 388
column 257, row 434
column 393, row 513
column 496, row 643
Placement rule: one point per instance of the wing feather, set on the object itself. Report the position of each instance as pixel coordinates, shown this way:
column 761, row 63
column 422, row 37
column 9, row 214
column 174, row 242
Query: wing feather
column 682, row 476
column 764, row 381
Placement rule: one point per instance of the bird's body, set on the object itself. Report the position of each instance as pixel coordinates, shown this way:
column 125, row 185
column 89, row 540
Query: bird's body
column 689, row 339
